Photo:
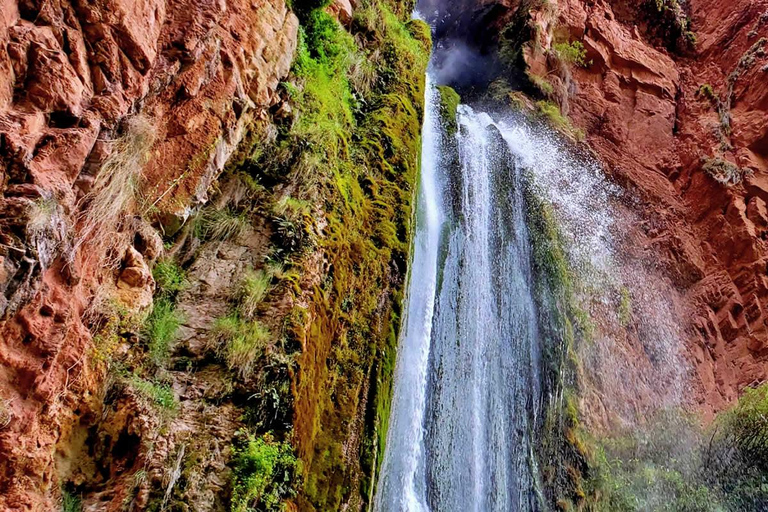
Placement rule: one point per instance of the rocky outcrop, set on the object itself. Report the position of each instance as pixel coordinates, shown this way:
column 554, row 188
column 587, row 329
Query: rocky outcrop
column 670, row 97
column 73, row 77
column 652, row 117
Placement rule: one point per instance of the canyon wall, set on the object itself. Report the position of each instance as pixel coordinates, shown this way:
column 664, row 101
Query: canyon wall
column 671, row 98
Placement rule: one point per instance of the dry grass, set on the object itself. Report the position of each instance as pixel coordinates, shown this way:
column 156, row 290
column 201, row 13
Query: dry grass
column 115, row 192
column 223, row 224
column 6, row 415
column 725, row 172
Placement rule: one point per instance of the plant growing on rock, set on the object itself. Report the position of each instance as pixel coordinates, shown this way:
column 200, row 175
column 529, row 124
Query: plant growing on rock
column 160, row 330
column 725, row 172
column 264, row 474
column 240, row 342
column 115, row 190
column 251, row 291
column 571, row 53
column 222, row 224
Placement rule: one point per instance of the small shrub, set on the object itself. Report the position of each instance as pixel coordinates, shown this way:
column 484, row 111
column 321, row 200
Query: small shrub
column 572, row 53
column 725, row 172
column 264, row 475
column 170, row 278
column 706, row 91
column 160, row 330
column 251, row 291
column 240, row 342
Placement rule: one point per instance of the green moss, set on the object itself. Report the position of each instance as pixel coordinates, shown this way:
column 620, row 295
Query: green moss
column 365, row 142
column 449, row 104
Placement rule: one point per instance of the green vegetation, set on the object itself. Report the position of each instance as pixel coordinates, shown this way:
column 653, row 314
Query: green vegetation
column 70, row 502
column 223, row 224
column 542, row 84
column 160, row 330
column 571, row 53
column 251, row 291
column 449, row 104
column 350, row 158
column 170, row 278
column 265, row 473
column 625, row 307
column 706, row 91
column 159, row 395
column 551, row 113
column 240, row 342
column 672, row 24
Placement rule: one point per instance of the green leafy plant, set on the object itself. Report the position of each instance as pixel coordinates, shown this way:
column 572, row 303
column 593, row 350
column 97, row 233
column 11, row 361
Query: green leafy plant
column 572, row 53
column 264, row 474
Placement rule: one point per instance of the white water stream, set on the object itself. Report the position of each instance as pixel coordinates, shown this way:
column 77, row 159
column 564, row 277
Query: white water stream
column 467, row 393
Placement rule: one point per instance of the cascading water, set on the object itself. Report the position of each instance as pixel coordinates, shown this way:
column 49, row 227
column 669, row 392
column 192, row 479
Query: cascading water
column 468, row 384
column 467, row 374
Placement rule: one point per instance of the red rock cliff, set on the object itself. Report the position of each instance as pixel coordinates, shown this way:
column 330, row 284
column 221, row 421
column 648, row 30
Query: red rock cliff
column 651, row 116
column 181, row 81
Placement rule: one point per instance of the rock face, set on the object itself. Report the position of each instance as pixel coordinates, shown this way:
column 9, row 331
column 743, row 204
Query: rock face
column 649, row 115
column 73, row 76
column 685, row 126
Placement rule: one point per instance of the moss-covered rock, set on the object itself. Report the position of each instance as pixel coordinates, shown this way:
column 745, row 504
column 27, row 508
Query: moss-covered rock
column 449, row 104
column 352, row 156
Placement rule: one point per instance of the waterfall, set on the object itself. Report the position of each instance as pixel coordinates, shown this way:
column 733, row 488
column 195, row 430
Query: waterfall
column 468, row 393
column 402, row 484
column 466, row 382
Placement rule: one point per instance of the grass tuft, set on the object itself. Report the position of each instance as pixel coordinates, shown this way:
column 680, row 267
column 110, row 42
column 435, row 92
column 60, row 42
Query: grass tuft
column 240, row 342
column 160, row 330
column 114, row 193
column 170, row 278
column 224, row 224
column 251, row 291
